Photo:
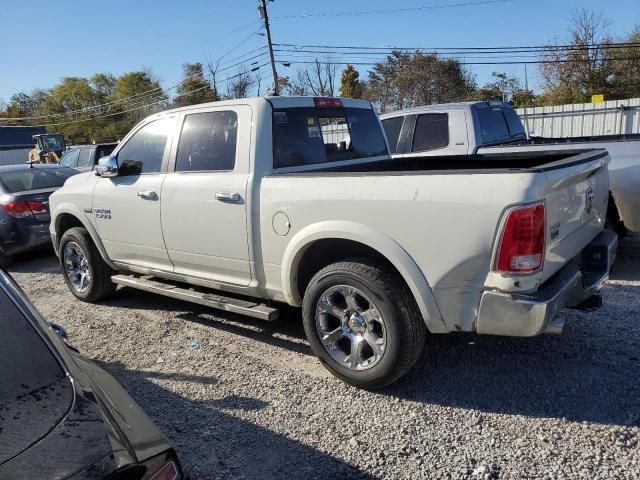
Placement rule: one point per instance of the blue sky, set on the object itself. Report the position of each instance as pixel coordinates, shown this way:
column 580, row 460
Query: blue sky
column 80, row 38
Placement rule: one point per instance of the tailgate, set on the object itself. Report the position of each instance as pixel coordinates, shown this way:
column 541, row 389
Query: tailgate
column 576, row 206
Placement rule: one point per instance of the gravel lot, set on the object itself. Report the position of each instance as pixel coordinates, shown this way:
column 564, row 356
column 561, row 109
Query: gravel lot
column 240, row 398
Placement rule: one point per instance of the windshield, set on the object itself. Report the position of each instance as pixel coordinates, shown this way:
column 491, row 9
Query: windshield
column 34, row 179
column 307, row 136
column 54, row 143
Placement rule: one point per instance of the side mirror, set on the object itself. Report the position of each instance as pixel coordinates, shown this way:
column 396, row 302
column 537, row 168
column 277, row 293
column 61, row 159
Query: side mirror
column 58, row 330
column 107, row 167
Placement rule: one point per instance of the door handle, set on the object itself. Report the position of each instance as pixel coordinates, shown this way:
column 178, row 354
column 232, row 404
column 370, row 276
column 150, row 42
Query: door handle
column 228, row 197
column 148, row 195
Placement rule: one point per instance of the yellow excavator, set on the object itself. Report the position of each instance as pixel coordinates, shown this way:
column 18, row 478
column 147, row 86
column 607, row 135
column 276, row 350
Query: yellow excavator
column 49, row 147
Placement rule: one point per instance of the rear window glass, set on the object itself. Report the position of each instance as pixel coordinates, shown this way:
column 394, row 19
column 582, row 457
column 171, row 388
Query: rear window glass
column 493, row 125
column 432, row 131
column 514, row 123
column 307, row 136
column 392, row 128
column 34, row 179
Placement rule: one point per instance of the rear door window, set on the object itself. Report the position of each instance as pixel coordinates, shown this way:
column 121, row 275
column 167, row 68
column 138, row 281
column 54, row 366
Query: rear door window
column 308, row 136
column 208, row 142
column 84, row 160
column 144, row 151
column 431, row 132
column 392, row 128
column 493, row 125
column 34, row 179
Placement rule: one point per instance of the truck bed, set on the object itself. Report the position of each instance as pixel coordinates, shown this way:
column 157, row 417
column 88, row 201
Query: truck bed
column 517, row 161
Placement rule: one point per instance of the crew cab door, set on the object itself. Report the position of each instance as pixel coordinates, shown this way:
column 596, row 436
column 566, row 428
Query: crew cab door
column 204, row 197
column 127, row 207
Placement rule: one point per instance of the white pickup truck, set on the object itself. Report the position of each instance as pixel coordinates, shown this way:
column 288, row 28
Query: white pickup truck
column 244, row 204
column 485, row 128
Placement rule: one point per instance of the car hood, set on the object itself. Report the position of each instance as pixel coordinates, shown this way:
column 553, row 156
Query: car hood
column 102, row 430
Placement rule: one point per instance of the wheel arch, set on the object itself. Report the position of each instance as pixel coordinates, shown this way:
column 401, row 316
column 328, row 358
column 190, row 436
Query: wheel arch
column 315, row 246
column 68, row 217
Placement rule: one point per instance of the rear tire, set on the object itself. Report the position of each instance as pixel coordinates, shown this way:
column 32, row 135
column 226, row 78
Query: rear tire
column 85, row 272
column 363, row 303
column 612, row 220
column 5, row 260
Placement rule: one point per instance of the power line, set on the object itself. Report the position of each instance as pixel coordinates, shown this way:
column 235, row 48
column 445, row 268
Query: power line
column 150, row 93
column 395, row 10
column 461, row 63
column 454, row 50
column 143, row 106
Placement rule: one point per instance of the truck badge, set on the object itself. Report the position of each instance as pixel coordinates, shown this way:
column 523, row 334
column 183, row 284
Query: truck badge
column 589, row 201
column 103, row 213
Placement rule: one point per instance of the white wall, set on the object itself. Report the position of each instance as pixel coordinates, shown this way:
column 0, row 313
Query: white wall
column 614, row 117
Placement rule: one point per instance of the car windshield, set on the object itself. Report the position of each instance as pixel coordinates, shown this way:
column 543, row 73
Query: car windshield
column 307, row 136
column 34, row 391
column 54, row 143
column 27, row 179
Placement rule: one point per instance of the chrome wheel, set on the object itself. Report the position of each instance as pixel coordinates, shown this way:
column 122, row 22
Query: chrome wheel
column 76, row 267
column 350, row 327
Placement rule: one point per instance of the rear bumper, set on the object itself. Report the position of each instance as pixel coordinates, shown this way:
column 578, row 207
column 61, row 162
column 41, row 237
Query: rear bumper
column 17, row 237
column 528, row 315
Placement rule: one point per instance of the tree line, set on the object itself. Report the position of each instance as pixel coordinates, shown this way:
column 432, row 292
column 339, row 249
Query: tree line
column 104, row 107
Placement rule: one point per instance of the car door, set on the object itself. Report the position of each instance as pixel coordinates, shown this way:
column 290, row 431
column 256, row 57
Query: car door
column 204, row 207
column 127, row 207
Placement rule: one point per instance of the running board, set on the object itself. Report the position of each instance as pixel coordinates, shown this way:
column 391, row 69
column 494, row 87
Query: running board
column 229, row 304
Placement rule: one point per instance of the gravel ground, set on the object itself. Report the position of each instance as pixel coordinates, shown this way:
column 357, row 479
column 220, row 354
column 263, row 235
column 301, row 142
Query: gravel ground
column 240, row 398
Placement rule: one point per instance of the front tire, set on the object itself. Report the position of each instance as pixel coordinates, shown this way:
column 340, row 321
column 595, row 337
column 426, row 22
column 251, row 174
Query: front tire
column 363, row 323
column 85, row 272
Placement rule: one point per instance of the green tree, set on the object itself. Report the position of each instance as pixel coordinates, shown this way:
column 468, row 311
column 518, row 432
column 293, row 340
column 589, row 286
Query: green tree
column 593, row 65
column 625, row 81
column 194, row 87
column 350, row 84
column 407, row 80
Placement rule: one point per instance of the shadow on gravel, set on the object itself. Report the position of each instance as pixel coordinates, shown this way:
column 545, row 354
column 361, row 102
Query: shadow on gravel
column 273, row 333
column 627, row 265
column 214, row 444
column 36, row 261
column 580, row 376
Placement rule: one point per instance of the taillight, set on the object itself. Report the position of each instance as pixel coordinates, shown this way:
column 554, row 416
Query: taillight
column 327, row 102
column 169, row 471
column 18, row 209
column 36, row 207
column 521, row 247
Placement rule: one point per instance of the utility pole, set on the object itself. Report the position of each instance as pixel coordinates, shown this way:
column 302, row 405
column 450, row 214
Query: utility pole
column 262, row 8
column 526, row 86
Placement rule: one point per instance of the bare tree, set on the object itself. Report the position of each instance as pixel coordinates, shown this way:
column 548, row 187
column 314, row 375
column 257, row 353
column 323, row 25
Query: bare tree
column 212, row 68
column 239, row 86
column 573, row 75
column 320, row 78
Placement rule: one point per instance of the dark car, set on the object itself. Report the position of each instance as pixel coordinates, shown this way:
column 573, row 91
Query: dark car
column 61, row 416
column 24, row 206
column 84, row 157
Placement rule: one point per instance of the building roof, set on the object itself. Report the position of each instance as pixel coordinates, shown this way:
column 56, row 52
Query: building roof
column 16, row 137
